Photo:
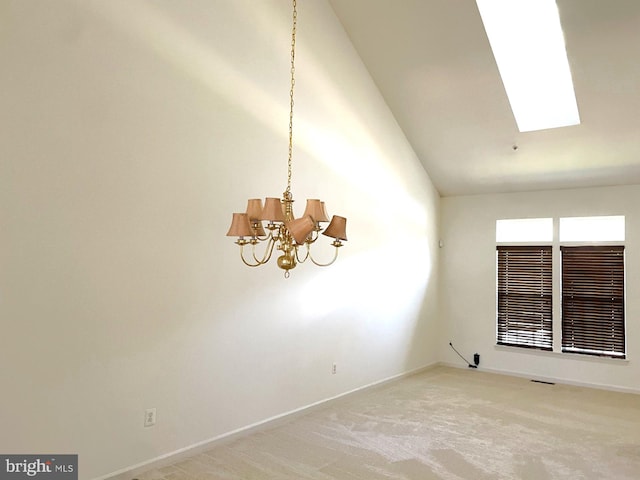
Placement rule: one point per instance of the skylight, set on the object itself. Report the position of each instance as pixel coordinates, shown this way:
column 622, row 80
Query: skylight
column 528, row 45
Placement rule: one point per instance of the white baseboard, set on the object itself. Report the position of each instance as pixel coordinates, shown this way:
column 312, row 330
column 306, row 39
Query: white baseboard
column 130, row 472
column 563, row 381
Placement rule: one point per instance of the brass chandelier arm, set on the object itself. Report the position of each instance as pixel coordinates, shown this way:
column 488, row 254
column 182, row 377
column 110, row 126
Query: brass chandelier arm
column 313, row 236
column 305, row 256
column 244, row 259
column 335, row 255
column 267, row 253
column 258, row 238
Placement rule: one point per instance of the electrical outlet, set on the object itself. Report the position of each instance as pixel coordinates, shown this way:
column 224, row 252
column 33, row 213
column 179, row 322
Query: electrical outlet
column 149, row 417
column 334, row 369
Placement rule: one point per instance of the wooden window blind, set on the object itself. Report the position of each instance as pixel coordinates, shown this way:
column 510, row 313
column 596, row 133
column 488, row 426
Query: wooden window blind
column 593, row 300
column 525, row 296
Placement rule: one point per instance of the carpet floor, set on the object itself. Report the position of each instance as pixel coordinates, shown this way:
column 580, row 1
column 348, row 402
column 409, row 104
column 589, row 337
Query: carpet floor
column 444, row 423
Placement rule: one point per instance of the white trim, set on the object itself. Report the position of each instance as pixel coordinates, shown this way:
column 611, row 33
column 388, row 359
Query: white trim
column 563, row 355
column 172, row 457
column 562, row 381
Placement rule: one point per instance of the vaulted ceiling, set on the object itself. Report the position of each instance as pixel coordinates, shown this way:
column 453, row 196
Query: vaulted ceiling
column 433, row 64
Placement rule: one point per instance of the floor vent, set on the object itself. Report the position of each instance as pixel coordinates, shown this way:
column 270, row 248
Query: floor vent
column 540, row 381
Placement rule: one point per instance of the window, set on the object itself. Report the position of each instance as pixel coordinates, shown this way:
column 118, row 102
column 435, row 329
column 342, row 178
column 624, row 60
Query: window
column 592, row 229
column 593, row 300
column 524, row 230
column 524, row 296
column 591, row 284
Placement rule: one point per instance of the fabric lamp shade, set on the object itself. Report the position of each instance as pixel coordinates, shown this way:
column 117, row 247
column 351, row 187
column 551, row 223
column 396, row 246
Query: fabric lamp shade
column 272, row 210
column 301, row 228
column 337, row 228
column 254, row 212
column 240, row 226
column 315, row 209
column 325, row 215
column 254, row 209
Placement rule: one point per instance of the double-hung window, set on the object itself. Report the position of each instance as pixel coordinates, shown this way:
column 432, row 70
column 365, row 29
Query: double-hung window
column 525, row 296
column 593, row 300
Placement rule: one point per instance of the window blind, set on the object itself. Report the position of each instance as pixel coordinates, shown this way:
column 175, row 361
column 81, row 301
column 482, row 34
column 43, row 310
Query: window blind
column 593, row 300
column 525, row 296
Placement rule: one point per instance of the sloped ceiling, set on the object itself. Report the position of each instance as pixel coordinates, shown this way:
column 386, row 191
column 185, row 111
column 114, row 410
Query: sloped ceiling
column 433, row 64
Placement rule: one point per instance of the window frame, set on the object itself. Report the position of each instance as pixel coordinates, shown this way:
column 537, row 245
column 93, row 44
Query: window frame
column 576, row 338
column 525, row 332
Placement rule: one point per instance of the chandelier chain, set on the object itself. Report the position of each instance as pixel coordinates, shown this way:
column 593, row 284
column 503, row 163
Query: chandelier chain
column 293, row 82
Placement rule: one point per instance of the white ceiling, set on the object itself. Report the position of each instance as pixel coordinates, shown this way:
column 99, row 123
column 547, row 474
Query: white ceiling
column 433, row 64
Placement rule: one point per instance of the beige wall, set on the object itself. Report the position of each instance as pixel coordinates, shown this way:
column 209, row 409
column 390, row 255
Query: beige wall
column 468, row 285
column 130, row 132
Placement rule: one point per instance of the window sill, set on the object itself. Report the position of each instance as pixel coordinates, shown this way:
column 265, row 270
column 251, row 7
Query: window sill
column 566, row 356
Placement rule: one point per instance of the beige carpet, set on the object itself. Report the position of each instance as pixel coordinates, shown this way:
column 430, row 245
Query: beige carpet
column 441, row 424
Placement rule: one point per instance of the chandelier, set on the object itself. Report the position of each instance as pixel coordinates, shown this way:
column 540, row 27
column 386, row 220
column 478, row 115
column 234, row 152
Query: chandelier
column 292, row 236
